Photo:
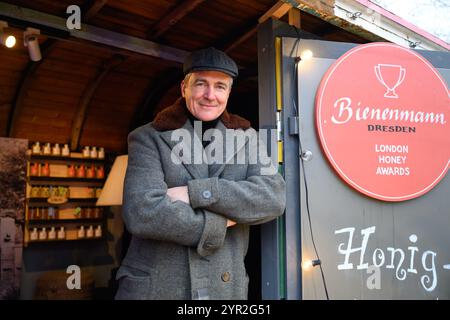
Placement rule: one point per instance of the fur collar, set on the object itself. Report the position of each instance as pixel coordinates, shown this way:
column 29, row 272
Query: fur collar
column 176, row 115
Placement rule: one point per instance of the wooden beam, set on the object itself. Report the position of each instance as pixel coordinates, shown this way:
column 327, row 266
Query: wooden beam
column 295, row 18
column 86, row 98
column 24, row 84
column 173, row 17
column 92, row 8
column 92, row 33
column 278, row 10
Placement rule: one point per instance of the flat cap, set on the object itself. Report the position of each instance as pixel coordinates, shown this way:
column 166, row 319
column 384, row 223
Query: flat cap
column 210, row 59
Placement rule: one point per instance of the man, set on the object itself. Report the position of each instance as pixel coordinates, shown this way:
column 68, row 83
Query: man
column 189, row 219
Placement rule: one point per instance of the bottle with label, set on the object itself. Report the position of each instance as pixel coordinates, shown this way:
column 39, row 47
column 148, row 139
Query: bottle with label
column 52, row 234
column 81, row 232
column 47, row 149
column 35, row 192
column 100, row 172
column 34, row 169
column 65, row 151
column 90, row 172
column 32, row 213
column 56, row 150
column 61, row 233
column 81, row 172
column 98, row 231
column 86, row 152
column 34, row 235
column 45, row 170
column 44, row 191
column 42, row 234
column 90, row 232
column 52, row 213
column 36, row 149
column 38, row 214
column 94, row 153
column 98, row 212
column 101, row 153
column 44, row 213
column 71, row 170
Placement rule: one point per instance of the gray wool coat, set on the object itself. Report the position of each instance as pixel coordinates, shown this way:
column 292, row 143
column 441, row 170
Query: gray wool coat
column 182, row 251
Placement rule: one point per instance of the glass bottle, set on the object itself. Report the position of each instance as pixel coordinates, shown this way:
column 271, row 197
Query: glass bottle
column 45, row 169
column 32, row 213
column 71, row 170
column 34, row 235
column 51, row 213
column 98, row 231
column 65, row 151
column 56, row 150
column 101, row 153
column 81, row 233
column 86, row 152
column 44, row 213
column 43, row 234
column 90, row 172
column 100, row 172
column 61, row 233
column 94, row 153
column 34, row 169
column 47, row 149
column 90, row 232
column 52, row 234
column 81, row 172
column 36, row 149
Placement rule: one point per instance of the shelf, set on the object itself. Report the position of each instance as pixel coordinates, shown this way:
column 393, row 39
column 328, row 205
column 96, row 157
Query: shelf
column 64, row 240
column 43, row 201
column 79, row 189
column 77, row 220
column 64, row 179
column 54, row 159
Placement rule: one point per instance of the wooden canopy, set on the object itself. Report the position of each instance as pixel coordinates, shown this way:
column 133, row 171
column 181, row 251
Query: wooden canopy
column 93, row 92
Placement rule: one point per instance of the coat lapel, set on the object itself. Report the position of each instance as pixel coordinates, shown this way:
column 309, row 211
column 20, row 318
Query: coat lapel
column 216, row 169
column 193, row 164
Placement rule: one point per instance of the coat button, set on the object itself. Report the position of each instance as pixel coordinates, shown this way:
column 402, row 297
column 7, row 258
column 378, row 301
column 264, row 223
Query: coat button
column 226, row 276
column 206, row 194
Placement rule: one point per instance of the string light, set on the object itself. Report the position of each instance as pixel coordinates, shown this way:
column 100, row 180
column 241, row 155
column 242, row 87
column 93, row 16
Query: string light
column 306, row 55
column 309, row 264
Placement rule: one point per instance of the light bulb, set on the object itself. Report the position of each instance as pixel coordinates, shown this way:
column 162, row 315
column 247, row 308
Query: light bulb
column 10, row 41
column 307, row 265
column 306, row 54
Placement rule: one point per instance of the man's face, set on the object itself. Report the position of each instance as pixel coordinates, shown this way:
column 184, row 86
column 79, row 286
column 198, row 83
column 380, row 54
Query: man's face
column 206, row 94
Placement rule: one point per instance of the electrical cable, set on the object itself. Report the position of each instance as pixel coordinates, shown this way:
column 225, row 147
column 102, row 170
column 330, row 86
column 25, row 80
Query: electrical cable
column 318, row 261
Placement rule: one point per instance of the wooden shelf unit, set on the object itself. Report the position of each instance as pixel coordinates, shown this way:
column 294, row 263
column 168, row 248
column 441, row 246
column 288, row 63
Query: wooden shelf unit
column 77, row 211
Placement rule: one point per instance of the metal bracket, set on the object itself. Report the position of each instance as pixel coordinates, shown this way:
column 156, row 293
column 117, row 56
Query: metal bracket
column 293, row 126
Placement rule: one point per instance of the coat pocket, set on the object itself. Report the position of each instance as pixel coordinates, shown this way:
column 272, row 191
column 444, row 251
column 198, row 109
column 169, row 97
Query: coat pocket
column 132, row 287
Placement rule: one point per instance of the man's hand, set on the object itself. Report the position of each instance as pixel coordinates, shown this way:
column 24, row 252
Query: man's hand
column 179, row 193
column 230, row 223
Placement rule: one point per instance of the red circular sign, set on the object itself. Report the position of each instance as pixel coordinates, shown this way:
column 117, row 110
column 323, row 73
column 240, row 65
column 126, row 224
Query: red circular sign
column 382, row 115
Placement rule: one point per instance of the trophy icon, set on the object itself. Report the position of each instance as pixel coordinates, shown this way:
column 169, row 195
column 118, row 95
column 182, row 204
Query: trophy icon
column 390, row 76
